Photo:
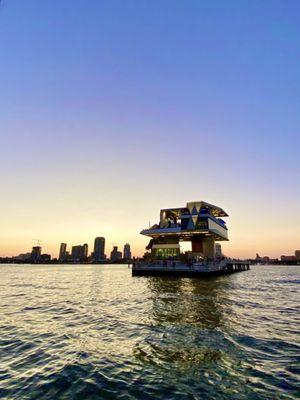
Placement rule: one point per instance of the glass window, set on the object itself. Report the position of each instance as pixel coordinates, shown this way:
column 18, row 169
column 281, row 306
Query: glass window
column 166, row 253
column 202, row 223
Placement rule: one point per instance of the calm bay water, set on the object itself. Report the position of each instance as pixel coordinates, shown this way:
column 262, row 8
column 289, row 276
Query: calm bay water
column 94, row 332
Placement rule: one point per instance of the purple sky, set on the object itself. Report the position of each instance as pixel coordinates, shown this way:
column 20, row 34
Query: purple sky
column 111, row 110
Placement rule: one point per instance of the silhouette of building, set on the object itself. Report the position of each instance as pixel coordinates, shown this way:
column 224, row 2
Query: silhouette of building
column 22, row 257
column 36, row 254
column 99, row 249
column 79, row 253
column 263, row 259
column 62, row 252
column 85, row 250
column 296, row 257
column 115, row 255
column 127, row 252
column 288, row 258
column 45, row 258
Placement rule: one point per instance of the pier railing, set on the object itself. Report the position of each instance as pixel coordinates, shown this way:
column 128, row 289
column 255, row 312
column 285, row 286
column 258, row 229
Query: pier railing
column 212, row 266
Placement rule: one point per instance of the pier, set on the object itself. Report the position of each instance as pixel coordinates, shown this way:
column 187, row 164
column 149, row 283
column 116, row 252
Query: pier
column 199, row 223
column 196, row 270
column 237, row 266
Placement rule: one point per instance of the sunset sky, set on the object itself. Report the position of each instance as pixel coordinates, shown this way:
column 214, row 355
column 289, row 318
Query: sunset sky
column 111, row 110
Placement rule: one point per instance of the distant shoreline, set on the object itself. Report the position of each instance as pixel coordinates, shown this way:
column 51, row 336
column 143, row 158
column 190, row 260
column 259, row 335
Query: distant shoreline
column 283, row 264
column 65, row 263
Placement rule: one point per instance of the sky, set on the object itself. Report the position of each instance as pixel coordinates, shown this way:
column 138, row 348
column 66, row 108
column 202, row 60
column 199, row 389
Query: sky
column 111, row 110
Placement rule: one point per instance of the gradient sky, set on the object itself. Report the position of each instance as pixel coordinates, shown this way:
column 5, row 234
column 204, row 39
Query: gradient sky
column 111, row 110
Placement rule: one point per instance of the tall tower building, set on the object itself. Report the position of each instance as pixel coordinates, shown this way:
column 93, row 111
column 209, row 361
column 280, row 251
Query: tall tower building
column 127, row 252
column 79, row 253
column 85, row 250
column 36, row 252
column 62, row 252
column 99, row 249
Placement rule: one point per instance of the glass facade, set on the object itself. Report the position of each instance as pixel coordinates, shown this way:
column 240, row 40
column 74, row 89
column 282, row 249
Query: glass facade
column 202, row 223
column 184, row 223
column 166, row 253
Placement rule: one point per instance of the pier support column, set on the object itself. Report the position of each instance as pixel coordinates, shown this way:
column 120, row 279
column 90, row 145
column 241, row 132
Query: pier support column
column 209, row 248
column 197, row 245
column 204, row 246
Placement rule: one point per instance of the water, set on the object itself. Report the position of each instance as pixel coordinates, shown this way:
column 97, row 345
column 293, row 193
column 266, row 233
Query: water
column 94, row 332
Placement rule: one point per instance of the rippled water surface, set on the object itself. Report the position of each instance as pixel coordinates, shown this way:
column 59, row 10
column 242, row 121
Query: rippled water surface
column 94, row 332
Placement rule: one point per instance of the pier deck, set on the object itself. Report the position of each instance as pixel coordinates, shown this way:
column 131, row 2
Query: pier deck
column 189, row 270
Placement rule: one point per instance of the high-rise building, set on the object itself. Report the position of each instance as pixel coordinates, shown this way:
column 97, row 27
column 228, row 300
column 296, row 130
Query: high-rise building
column 85, row 250
column 36, row 254
column 79, row 253
column 297, row 254
column 62, row 252
column 115, row 255
column 127, row 252
column 99, row 249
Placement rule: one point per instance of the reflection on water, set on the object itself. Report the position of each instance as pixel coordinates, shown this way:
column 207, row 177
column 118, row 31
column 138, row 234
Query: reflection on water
column 188, row 301
column 90, row 332
column 186, row 314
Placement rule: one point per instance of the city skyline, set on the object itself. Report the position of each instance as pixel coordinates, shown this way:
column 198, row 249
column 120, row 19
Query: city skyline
column 114, row 110
column 74, row 253
column 65, row 252
column 54, row 250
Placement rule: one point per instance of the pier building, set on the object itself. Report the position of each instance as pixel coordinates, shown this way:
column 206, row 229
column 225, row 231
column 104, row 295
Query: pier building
column 198, row 222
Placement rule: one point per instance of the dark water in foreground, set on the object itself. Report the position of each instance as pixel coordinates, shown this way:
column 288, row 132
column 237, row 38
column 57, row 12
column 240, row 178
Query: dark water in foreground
column 94, row 332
